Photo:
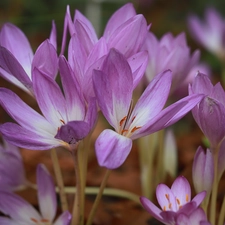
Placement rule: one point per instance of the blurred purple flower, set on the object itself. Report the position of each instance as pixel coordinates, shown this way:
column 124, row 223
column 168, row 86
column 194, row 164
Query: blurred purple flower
column 21, row 212
column 170, row 53
column 12, row 174
column 17, row 59
column 114, row 88
column 210, row 112
column 174, row 202
column 210, row 33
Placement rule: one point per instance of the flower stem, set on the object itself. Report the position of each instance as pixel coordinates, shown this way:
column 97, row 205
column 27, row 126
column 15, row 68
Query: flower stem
column 214, row 188
column 98, row 198
column 78, row 214
column 59, row 179
column 222, row 213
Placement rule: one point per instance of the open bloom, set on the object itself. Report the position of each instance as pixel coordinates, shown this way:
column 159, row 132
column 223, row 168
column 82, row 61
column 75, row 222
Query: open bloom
column 114, row 87
column 17, row 59
column 11, row 177
column 209, row 33
column 210, row 112
column 21, row 212
column 66, row 118
column 173, row 201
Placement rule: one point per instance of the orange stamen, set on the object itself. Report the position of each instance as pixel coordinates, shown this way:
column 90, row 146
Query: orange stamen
column 133, row 118
column 170, row 206
column 134, row 129
column 34, row 220
column 167, row 197
column 125, row 130
column 44, row 220
column 164, row 208
column 178, row 201
column 62, row 121
column 122, row 121
column 187, row 198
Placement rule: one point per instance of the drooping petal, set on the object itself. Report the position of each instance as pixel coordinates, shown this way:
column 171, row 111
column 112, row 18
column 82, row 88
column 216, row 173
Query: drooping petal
column 12, row 66
column 112, row 149
column 17, row 208
column 50, row 98
column 46, row 59
column 73, row 131
column 151, row 208
column 13, row 39
column 46, row 193
column 25, row 138
column 23, row 114
column 63, row 219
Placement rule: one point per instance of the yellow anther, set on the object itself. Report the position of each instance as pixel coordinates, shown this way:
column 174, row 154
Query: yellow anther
column 187, row 198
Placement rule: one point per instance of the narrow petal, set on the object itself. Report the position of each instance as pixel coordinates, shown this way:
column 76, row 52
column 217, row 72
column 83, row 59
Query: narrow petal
column 199, row 198
column 24, row 138
column 50, row 98
column 23, row 114
column 17, row 208
column 73, row 131
column 151, row 208
column 46, row 59
column 53, row 35
column 63, row 219
column 46, row 193
column 112, row 149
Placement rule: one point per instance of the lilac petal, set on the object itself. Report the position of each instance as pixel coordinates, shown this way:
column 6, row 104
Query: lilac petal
column 53, row 35
column 63, row 219
column 46, row 193
column 153, row 99
column 46, row 59
column 199, row 198
column 23, row 114
column 151, row 208
column 113, row 87
column 12, row 66
column 13, row 39
column 73, row 131
column 202, row 84
column 17, row 208
column 50, row 98
column 138, row 64
column 24, row 138
column 197, row 216
column 130, row 36
column 213, row 128
column 218, row 93
column 203, row 170
column 168, row 216
column 166, row 198
column 73, row 95
column 188, row 208
column 118, row 18
column 7, row 221
column 181, row 190
column 112, row 149
column 169, row 115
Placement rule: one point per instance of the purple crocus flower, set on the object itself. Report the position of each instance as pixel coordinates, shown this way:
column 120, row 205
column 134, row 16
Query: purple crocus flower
column 113, row 88
column 209, row 33
column 173, row 201
column 170, row 53
column 11, row 177
column 21, row 212
column 210, row 112
column 66, row 118
column 17, row 59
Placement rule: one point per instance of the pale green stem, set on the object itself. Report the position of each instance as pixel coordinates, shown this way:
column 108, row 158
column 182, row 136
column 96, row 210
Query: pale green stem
column 222, row 213
column 59, row 179
column 77, row 214
column 98, row 198
column 214, row 188
column 205, row 203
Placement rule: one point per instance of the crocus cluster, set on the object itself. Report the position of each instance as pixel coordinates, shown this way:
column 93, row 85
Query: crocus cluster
column 101, row 74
